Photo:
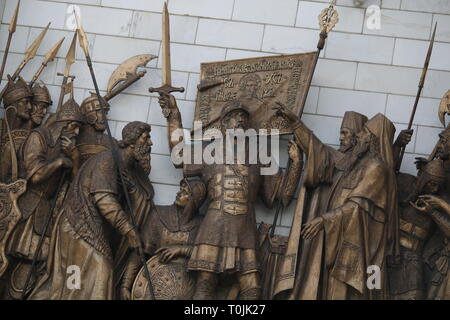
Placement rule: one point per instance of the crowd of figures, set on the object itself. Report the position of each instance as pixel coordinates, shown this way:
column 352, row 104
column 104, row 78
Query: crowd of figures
column 357, row 211
column 78, row 218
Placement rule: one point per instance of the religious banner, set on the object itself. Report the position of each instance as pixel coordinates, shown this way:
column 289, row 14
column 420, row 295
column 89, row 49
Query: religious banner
column 257, row 83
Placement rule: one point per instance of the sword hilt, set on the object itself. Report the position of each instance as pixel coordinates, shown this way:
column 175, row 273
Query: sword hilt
column 166, row 89
column 63, row 75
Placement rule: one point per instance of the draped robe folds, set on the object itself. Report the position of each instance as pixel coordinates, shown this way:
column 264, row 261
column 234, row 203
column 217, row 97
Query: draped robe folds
column 333, row 264
column 80, row 237
column 141, row 195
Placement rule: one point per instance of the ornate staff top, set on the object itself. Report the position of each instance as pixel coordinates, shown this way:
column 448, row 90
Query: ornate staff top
column 328, row 18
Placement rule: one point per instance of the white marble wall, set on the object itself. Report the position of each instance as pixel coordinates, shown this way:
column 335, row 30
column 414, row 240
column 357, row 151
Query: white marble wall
column 369, row 71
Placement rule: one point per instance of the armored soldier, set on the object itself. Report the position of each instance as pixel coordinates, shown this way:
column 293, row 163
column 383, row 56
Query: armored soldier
column 32, row 118
column 16, row 100
column 40, row 102
column 46, row 153
column 93, row 139
column 18, row 96
column 226, row 240
column 436, row 253
column 169, row 232
column 416, row 226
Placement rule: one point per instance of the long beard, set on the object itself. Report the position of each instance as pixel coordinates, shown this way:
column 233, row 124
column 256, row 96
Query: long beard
column 361, row 148
column 348, row 162
column 143, row 157
column 347, row 147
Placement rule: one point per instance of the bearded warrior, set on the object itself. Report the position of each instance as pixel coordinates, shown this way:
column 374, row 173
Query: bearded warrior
column 40, row 102
column 18, row 96
column 362, row 202
column 93, row 138
column 46, row 153
column 227, row 238
column 92, row 219
column 17, row 103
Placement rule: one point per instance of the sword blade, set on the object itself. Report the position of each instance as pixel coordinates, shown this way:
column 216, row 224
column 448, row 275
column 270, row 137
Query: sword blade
column 166, row 75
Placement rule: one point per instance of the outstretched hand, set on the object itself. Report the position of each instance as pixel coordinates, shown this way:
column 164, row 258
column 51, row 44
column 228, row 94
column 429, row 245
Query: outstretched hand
column 294, row 151
column 281, row 110
column 168, row 253
column 422, row 206
column 434, row 201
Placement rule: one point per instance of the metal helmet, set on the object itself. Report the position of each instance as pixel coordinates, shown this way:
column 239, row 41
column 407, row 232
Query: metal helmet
column 41, row 94
column 92, row 103
column 70, row 111
column 16, row 91
column 197, row 189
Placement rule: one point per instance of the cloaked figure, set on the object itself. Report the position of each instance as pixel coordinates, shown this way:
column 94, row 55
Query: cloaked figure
column 92, row 217
column 359, row 224
column 46, row 153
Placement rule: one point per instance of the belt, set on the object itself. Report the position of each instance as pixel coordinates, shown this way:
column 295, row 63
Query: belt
column 230, row 208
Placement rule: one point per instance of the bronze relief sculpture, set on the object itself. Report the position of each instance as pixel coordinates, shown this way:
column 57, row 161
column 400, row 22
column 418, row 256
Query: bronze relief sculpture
column 72, row 196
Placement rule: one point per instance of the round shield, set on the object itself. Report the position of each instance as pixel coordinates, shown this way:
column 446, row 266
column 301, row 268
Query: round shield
column 170, row 281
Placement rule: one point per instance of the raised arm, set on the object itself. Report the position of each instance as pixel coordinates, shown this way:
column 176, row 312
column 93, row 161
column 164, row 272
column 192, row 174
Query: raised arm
column 38, row 168
column 284, row 184
column 171, row 112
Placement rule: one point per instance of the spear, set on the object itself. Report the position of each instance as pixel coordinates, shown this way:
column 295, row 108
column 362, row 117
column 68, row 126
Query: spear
column 11, row 29
column 49, row 57
column 31, row 52
column 327, row 20
column 70, row 59
column 115, row 153
column 419, row 92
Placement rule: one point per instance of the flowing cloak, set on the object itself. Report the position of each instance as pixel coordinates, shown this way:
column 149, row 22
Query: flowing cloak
column 80, row 237
column 339, row 255
column 141, row 195
column 312, row 202
column 91, row 142
column 40, row 149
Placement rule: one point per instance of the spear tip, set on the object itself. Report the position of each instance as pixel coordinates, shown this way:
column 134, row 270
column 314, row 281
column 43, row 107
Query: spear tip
column 13, row 24
column 434, row 31
column 51, row 54
column 84, row 44
column 31, row 51
column 70, row 57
